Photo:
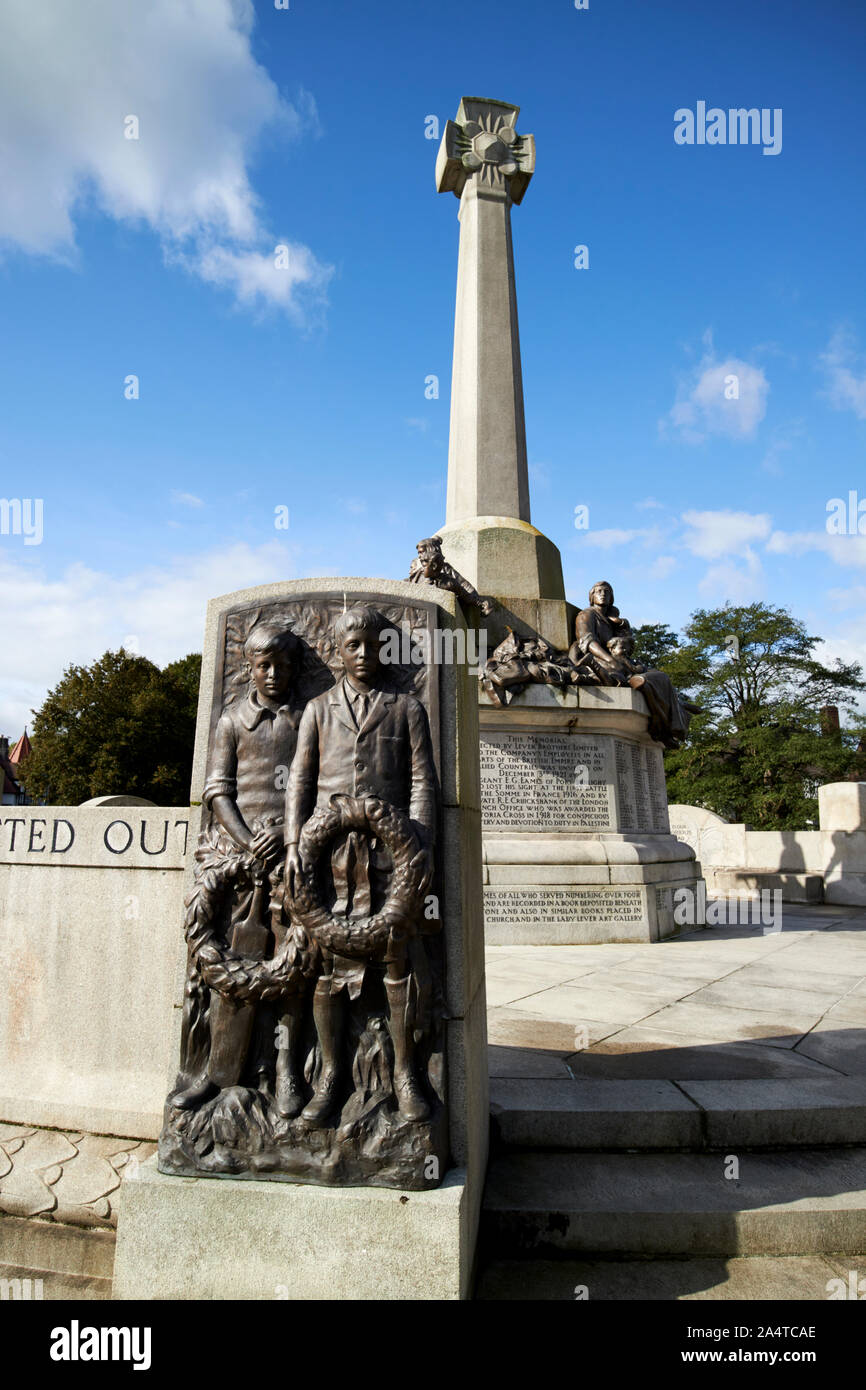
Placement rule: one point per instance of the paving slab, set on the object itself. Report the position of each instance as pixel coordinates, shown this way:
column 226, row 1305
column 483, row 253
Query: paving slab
column 736, row 992
column 583, row 1004
column 779, row 1028
column 520, row 1062
column 689, row 968
column 839, row 1045
column 540, row 973
column 645, row 983
column 512, row 1028
column 850, row 1010
column 704, row 1000
column 778, row 975
column 646, row 1053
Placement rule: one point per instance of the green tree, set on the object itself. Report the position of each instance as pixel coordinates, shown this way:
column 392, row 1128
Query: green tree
column 654, row 643
column 768, row 733
column 119, row 725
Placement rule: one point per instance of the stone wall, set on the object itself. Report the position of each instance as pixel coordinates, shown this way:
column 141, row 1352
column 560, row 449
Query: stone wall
column 90, row 918
column 835, row 853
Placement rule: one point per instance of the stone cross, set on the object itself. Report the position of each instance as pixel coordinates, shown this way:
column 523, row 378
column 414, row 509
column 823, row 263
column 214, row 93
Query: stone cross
column 487, row 165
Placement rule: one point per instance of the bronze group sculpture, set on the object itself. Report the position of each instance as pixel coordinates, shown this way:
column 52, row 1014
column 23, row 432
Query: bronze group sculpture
column 312, row 1041
column 604, row 642
column 520, row 661
column 602, row 654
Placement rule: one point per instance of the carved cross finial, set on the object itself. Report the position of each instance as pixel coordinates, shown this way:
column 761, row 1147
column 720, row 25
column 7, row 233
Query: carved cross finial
column 483, row 142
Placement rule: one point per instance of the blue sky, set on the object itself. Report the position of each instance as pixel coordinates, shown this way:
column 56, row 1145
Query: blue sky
column 306, row 127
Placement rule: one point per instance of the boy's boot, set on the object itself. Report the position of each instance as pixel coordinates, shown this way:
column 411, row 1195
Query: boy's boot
column 231, row 1027
column 407, row 1090
column 290, row 1085
column 231, row 1024
column 326, row 1014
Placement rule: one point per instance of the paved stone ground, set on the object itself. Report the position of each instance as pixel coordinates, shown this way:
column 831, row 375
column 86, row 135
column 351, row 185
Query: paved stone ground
column 723, row 1035
column 718, row 1003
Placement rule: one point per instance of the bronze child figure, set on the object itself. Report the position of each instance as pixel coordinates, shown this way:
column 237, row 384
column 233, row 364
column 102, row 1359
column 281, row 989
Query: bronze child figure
column 362, row 739
column 255, row 737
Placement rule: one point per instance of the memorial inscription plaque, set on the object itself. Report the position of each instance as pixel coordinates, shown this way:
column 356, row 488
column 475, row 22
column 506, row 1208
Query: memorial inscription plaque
column 539, row 781
column 562, row 906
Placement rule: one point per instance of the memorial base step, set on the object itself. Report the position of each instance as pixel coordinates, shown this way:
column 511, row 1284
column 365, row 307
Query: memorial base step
column 44, row 1260
column 582, row 1115
column 756, row 1278
column 793, row 1202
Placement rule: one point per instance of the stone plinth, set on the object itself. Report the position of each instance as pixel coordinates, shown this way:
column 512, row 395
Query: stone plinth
column 231, row 1235
column 577, row 842
column 196, row 1238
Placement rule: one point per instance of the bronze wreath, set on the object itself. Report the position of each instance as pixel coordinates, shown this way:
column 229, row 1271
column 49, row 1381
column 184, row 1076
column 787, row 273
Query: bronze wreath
column 243, row 979
column 366, row 937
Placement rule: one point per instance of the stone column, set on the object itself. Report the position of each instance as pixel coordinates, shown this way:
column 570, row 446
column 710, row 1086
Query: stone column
column 488, row 533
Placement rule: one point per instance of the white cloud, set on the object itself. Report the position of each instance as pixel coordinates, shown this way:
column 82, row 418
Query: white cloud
column 727, row 538
column 848, row 646
column 607, row 539
column 649, row 504
column 712, row 535
column 71, row 75
column 419, row 423
column 705, row 405
column 848, row 551
column 186, row 499
column 736, row 580
column 854, row 597
column 77, row 617
column 662, row 567
column 845, row 388
column 288, row 276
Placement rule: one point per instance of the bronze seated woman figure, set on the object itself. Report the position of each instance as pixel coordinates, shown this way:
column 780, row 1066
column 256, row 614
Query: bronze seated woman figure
column 604, row 644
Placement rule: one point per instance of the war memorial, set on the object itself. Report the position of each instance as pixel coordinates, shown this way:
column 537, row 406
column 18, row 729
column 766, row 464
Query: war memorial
column 319, row 1095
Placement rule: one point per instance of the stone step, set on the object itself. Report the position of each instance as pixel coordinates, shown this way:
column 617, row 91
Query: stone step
column 21, row 1282
column 695, row 1115
column 798, row 1202
column 755, row 1278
